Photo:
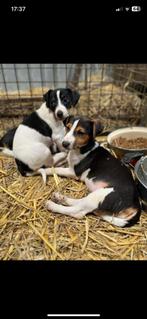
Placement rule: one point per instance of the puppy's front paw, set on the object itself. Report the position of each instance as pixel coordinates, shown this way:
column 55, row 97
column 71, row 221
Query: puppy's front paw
column 57, row 197
column 49, row 205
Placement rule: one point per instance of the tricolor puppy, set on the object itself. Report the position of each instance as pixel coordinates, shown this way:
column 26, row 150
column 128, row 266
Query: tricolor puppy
column 113, row 194
column 32, row 141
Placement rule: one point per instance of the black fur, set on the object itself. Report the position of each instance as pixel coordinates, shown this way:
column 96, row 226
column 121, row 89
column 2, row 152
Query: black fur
column 104, row 167
column 7, row 139
column 87, row 147
column 97, row 128
column 68, row 98
column 35, row 122
column 22, row 167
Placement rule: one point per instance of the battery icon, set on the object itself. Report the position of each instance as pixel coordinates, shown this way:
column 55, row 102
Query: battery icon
column 136, row 8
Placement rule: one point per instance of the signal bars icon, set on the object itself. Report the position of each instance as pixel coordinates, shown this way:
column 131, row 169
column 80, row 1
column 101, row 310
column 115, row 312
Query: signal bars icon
column 121, row 9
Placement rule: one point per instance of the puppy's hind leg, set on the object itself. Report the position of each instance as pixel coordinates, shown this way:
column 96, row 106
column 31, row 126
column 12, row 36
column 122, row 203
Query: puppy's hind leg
column 73, row 211
column 59, row 198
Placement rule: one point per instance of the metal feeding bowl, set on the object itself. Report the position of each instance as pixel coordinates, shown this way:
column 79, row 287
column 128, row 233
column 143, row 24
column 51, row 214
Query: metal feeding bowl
column 115, row 138
column 141, row 177
column 143, row 164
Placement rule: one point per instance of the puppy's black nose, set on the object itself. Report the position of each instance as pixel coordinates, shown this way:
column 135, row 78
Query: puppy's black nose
column 65, row 144
column 60, row 114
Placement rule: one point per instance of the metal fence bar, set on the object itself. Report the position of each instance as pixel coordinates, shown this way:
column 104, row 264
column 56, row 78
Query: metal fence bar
column 54, row 75
column 30, row 87
column 66, row 74
column 41, row 76
column 86, row 75
column 89, row 88
column 4, row 81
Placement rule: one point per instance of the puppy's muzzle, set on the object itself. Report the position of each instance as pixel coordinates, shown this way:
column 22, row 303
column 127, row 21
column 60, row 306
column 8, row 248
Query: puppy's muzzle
column 66, row 144
column 60, row 115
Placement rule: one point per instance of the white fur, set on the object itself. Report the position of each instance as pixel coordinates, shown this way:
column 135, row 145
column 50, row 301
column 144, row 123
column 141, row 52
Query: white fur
column 6, row 151
column 121, row 222
column 31, row 147
column 94, row 185
column 74, row 156
column 26, row 135
column 95, row 198
column 83, row 206
column 84, row 175
column 46, row 115
column 60, row 107
column 57, row 126
column 69, row 137
column 61, row 171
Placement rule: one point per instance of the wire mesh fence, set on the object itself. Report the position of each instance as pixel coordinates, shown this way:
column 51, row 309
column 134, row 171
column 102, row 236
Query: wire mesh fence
column 116, row 93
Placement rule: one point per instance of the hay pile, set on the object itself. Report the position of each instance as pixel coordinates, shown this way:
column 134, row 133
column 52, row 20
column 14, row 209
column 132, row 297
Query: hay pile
column 14, row 104
column 30, row 232
column 111, row 103
column 36, row 91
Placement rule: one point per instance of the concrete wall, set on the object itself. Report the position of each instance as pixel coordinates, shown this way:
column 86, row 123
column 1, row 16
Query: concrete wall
column 19, row 77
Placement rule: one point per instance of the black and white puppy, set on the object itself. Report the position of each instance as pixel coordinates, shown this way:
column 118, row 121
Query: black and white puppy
column 41, row 130
column 113, row 193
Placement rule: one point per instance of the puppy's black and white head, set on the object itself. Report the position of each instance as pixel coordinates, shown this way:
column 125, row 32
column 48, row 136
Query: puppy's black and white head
column 60, row 100
column 80, row 131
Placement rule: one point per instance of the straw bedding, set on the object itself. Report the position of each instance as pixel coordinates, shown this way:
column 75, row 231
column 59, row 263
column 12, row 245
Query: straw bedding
column 111, row 103
column 29, row 232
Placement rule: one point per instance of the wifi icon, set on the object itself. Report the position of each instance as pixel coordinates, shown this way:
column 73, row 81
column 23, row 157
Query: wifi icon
column 127, row 9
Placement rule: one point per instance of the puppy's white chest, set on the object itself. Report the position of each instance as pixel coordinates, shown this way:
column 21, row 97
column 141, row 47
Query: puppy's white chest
column 74, row 158
column 58, row 133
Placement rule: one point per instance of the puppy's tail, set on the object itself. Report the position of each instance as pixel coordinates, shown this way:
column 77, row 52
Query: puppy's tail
column 6, row 142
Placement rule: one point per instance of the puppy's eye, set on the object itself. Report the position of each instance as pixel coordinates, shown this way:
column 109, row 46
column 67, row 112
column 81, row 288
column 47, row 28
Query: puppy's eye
column 53, row 103
column 65, row 101
column 80, row 133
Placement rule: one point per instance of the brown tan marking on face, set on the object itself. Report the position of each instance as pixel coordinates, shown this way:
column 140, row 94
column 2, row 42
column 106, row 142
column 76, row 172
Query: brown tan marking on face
column 69, row 125
column 81, row 137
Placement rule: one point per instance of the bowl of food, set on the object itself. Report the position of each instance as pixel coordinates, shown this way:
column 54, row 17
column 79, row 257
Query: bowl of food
column 128, row 140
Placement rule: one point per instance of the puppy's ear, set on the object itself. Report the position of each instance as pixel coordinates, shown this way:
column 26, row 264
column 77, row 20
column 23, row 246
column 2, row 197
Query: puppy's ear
column 66, row 120
column 97, row 128
column 74, row 96
column 46, row 96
